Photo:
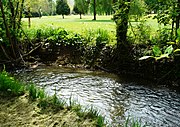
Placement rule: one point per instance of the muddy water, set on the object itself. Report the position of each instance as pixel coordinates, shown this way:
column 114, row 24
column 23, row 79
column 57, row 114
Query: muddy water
column 114, row 98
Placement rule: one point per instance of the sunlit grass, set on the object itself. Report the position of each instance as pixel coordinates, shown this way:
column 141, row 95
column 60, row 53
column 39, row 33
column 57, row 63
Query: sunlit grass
column 72, row 23
column 81, row 26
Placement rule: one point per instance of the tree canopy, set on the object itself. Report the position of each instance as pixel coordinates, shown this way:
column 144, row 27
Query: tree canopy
column 81, row 7
column 62, row 8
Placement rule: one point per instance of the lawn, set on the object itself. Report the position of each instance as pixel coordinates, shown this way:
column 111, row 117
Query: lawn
column 75, row 24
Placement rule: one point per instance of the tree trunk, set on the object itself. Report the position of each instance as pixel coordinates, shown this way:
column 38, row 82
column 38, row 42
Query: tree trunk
column 20, row 14
column 122, row 25
column 94, row 7
column 8, row 35
column 80, row 15
column 29, row 17
column 178, row 16
column 63, row 16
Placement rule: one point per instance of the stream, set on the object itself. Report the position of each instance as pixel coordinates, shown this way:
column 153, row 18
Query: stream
column 115, row 98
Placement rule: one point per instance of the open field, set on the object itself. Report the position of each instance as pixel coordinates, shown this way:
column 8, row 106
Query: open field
column 75, row 24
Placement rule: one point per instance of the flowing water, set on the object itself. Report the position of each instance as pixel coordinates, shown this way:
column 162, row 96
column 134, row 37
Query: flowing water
column 115, row 98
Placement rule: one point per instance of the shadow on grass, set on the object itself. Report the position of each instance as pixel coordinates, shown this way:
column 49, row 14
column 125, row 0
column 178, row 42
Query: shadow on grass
column 83, row 20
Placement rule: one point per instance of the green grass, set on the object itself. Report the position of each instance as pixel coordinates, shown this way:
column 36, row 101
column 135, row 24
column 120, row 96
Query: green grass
column 83, row 26
column 10, row 85
column 72, row 23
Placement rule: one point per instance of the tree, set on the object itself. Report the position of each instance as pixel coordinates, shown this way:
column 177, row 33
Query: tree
column 10, row 29
column 101, row 7
column 81, row 7
column 104, row 7
column 47, row 7
column 137, row 9
column 169, row 13
column 62, row 8
column 121, row 17
column 152, row 5
column 94, row 9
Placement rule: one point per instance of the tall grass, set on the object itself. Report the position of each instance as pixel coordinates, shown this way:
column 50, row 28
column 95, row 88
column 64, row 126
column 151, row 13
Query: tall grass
column 131, row 122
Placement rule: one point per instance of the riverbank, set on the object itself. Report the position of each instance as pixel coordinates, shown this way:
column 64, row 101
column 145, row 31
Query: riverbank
column 20, row 111
column 27, row 105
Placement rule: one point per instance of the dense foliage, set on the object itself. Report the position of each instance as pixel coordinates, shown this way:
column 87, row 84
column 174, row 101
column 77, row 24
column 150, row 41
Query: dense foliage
column 10, row 31
column 81, row 7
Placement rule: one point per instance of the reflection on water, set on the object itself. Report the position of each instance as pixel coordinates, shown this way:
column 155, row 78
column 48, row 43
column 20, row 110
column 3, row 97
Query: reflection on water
column 114, row 98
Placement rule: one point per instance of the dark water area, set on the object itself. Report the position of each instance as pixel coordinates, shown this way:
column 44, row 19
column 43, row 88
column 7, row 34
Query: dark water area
column 114, row 97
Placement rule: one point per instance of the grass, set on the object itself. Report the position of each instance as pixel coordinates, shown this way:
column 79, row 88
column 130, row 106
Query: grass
column 10, row 85
column 72, row 23
column 86, row 25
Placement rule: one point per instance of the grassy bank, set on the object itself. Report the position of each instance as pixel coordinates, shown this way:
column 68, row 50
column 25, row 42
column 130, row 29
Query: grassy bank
column 27, row 105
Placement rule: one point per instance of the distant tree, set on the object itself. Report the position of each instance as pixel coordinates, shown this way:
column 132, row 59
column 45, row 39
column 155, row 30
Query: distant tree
column 62, row 8
column 50, row 6
column 47, row 7
column 94, row 9
column 137, row 9
column 101, row 7
column 169, row 13
column 152, row 5
column 81, row 7
column 104, row 7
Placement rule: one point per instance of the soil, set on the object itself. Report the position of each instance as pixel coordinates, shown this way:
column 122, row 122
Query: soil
column 21, row 112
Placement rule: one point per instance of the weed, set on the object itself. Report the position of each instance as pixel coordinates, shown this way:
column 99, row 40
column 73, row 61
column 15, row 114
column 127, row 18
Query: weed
column 33, row 93
column 41, row 93
column 131, row 122
column 9, row 84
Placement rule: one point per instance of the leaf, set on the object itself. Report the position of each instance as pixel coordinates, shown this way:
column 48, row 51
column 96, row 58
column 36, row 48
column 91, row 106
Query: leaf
column 168, row 50
column 156, row 51
column 171, row 43
column 178, row 32
column 146, row 57
column 162, row 56
column 177, row 51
